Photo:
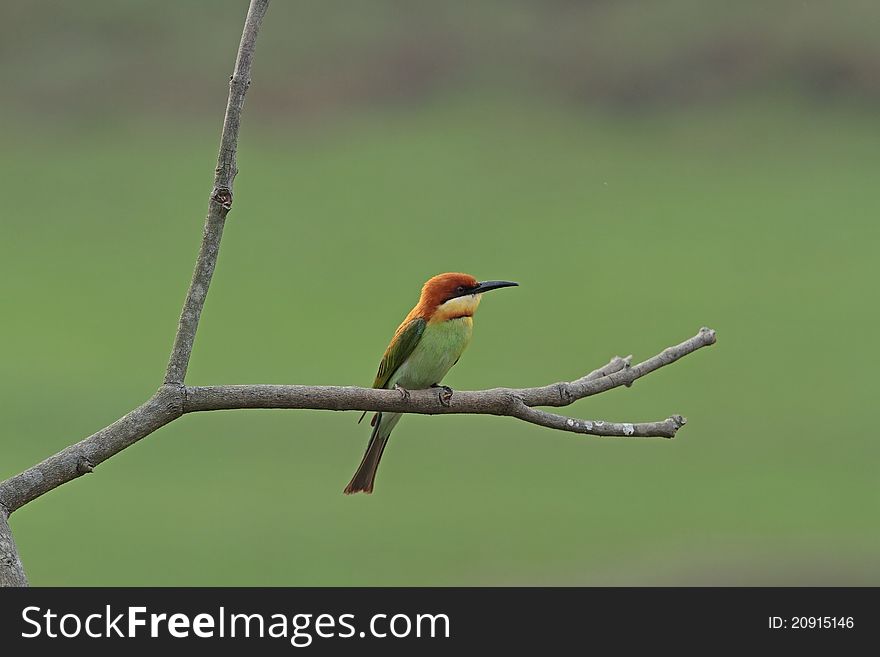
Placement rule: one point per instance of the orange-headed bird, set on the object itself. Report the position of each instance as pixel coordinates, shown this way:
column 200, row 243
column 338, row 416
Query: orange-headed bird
column 424, row 348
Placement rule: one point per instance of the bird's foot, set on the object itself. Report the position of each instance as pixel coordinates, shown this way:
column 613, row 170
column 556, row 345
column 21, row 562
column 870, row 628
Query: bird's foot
column 445, row 394
column 404, row 393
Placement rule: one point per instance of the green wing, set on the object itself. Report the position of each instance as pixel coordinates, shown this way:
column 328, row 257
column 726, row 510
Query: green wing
column 402, row 345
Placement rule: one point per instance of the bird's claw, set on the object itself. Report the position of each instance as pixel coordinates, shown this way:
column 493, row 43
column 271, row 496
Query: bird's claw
column 404, row 393
column 445, row 394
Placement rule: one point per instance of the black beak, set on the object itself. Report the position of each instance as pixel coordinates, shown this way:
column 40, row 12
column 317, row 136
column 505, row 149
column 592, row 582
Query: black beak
column 485, row 286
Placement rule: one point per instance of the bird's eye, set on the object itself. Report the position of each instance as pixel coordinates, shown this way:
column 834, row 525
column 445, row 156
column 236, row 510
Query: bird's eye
column 460, row 288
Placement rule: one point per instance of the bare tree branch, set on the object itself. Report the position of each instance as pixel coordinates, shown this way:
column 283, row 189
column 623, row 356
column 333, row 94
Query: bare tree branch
column 496, row 401
column 174, row 399
column 626, row 376
column 82, row 457
column 661, row 429
column 166, row 404
column 11, row 570
column 170, row 402
column 221, row 198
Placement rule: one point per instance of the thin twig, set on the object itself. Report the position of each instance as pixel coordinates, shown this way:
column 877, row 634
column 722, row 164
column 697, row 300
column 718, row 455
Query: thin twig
column 221, row 198
column 626, row 376
column 662, row 429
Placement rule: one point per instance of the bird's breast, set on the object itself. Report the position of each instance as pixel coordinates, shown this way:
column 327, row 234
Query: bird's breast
column 441, row 346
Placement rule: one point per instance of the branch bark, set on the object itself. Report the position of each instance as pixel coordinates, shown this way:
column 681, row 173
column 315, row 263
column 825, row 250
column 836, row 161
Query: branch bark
column 11, row 570
column 173, row 399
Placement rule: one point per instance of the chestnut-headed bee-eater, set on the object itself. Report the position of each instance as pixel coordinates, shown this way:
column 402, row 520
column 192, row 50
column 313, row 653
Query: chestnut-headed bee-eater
column 424, row 348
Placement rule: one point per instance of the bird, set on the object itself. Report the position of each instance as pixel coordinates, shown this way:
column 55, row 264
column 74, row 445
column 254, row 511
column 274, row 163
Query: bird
column 426, row 345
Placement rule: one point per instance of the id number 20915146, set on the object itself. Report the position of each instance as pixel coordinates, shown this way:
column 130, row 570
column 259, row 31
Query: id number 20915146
column 810, row 623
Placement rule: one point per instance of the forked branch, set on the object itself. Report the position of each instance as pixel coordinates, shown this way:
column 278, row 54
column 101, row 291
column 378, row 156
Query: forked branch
column 172, row 401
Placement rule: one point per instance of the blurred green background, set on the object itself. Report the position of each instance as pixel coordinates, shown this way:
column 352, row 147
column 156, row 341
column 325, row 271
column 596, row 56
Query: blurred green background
column 642, row 169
